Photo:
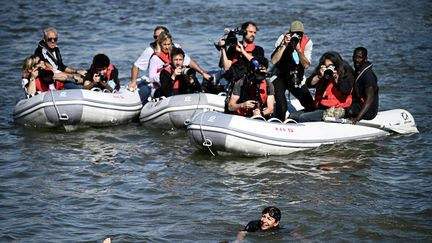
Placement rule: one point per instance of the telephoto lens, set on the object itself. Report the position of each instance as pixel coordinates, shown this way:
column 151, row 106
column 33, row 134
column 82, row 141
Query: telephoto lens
column 188, row 72
column 294, row 40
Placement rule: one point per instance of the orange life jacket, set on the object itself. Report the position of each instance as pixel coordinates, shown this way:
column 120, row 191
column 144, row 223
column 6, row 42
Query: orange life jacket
column 176, row 84
column 42, row 86
column 166, row 58
column 109, row 70
column 251, row 93
column 249, row 49
column 329, row 96
column 304, row 42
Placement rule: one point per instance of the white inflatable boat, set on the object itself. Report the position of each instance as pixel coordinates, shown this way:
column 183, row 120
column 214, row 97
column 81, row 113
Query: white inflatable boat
column 172, row 112
column 219, row 132
column 75, row 108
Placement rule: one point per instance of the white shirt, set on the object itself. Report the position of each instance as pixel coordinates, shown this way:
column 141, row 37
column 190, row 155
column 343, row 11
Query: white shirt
column 143, row 61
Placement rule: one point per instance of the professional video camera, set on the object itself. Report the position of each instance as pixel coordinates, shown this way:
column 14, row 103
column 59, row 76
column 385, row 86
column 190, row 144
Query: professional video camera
column 256, row 72
column 231, row 37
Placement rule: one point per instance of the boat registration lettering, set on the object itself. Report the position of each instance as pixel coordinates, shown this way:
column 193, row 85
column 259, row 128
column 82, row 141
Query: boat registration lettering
column 63, row 94
column 118, row 96
column 188, row 99
column 284, row 129
column 211, row 119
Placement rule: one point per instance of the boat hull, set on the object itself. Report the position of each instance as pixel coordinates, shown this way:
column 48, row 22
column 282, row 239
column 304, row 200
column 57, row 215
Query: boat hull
column 77, row 108
column 240, row 135
column 174, row 111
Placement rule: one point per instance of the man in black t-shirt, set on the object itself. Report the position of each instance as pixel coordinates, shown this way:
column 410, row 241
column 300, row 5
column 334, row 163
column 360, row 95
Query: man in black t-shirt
column 102, row 75
column 365, row 93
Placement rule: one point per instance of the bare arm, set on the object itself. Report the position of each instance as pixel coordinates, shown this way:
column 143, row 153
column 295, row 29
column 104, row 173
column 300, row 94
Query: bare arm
column 370, row 96
column 224, row 62
column 233, row 106
column 193, row 64
column 304, row 61
column 134, row 76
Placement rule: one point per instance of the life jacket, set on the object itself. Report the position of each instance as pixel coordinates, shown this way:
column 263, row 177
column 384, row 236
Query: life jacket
column 108, row 73
column 176, row 85
column 166, row 59
column 41, row 86
column 304, row 42
column 249, row 49
column 251, row 95
column 329, row 96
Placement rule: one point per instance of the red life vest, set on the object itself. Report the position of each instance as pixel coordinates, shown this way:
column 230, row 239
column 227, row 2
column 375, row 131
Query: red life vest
column 43, row 87
column 330, row 96
column 303, row 42
column 176, row 84
column 251, row 93
column 108, row 73
column 166, row 58
column 249, row 49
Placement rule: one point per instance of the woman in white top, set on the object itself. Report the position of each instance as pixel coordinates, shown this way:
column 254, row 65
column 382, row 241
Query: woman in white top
column 160, row 59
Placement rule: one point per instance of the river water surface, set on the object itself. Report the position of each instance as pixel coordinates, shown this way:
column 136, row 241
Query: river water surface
column 135, row 184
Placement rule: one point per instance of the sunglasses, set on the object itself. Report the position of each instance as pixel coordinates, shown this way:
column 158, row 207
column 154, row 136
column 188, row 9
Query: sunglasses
column 52, row 39
column 155, row 37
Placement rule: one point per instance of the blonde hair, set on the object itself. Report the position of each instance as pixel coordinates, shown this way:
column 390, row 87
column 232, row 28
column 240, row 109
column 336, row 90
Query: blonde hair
column 29, row 64
column 161, row 38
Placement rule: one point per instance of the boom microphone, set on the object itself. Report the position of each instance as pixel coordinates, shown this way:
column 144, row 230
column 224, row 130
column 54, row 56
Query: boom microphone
column 226, row 31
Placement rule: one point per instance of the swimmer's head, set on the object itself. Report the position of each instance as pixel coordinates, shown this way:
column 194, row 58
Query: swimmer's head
column 270, row 218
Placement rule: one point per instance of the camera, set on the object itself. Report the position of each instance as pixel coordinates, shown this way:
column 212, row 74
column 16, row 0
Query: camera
column 46, row 75
column 103, row 78
column 188, row 72
column 231, row 37
column 329, row 72
column 295, row 38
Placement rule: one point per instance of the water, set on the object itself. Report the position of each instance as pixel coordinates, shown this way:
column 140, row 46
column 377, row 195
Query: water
column 141, row 185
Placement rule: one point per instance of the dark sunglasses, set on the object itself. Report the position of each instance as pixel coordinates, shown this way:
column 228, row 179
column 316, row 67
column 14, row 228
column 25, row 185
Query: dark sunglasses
column 155, row 37
column 52, row 39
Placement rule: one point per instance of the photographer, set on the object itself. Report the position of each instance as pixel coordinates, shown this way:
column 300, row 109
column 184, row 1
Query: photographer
column 176, row 78
column 333, row 79
column 235, row 56
column 102, row 74
column 143, row 61
column 291, row 57
column 37, row 77
column 253, row 94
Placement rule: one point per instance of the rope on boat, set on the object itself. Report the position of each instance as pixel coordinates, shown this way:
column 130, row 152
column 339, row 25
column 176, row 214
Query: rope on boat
column 62, row 117
column 207, row 142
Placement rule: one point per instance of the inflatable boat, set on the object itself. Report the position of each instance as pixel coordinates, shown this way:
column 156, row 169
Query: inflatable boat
column 76, row 108
column 173, row 111
column 219, row 132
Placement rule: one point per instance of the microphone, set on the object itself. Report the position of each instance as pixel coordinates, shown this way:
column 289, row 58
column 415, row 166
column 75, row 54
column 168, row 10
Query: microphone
column 226, row 31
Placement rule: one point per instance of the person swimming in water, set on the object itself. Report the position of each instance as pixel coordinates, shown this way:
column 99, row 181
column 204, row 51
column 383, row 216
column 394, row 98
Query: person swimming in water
column 270, row 220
